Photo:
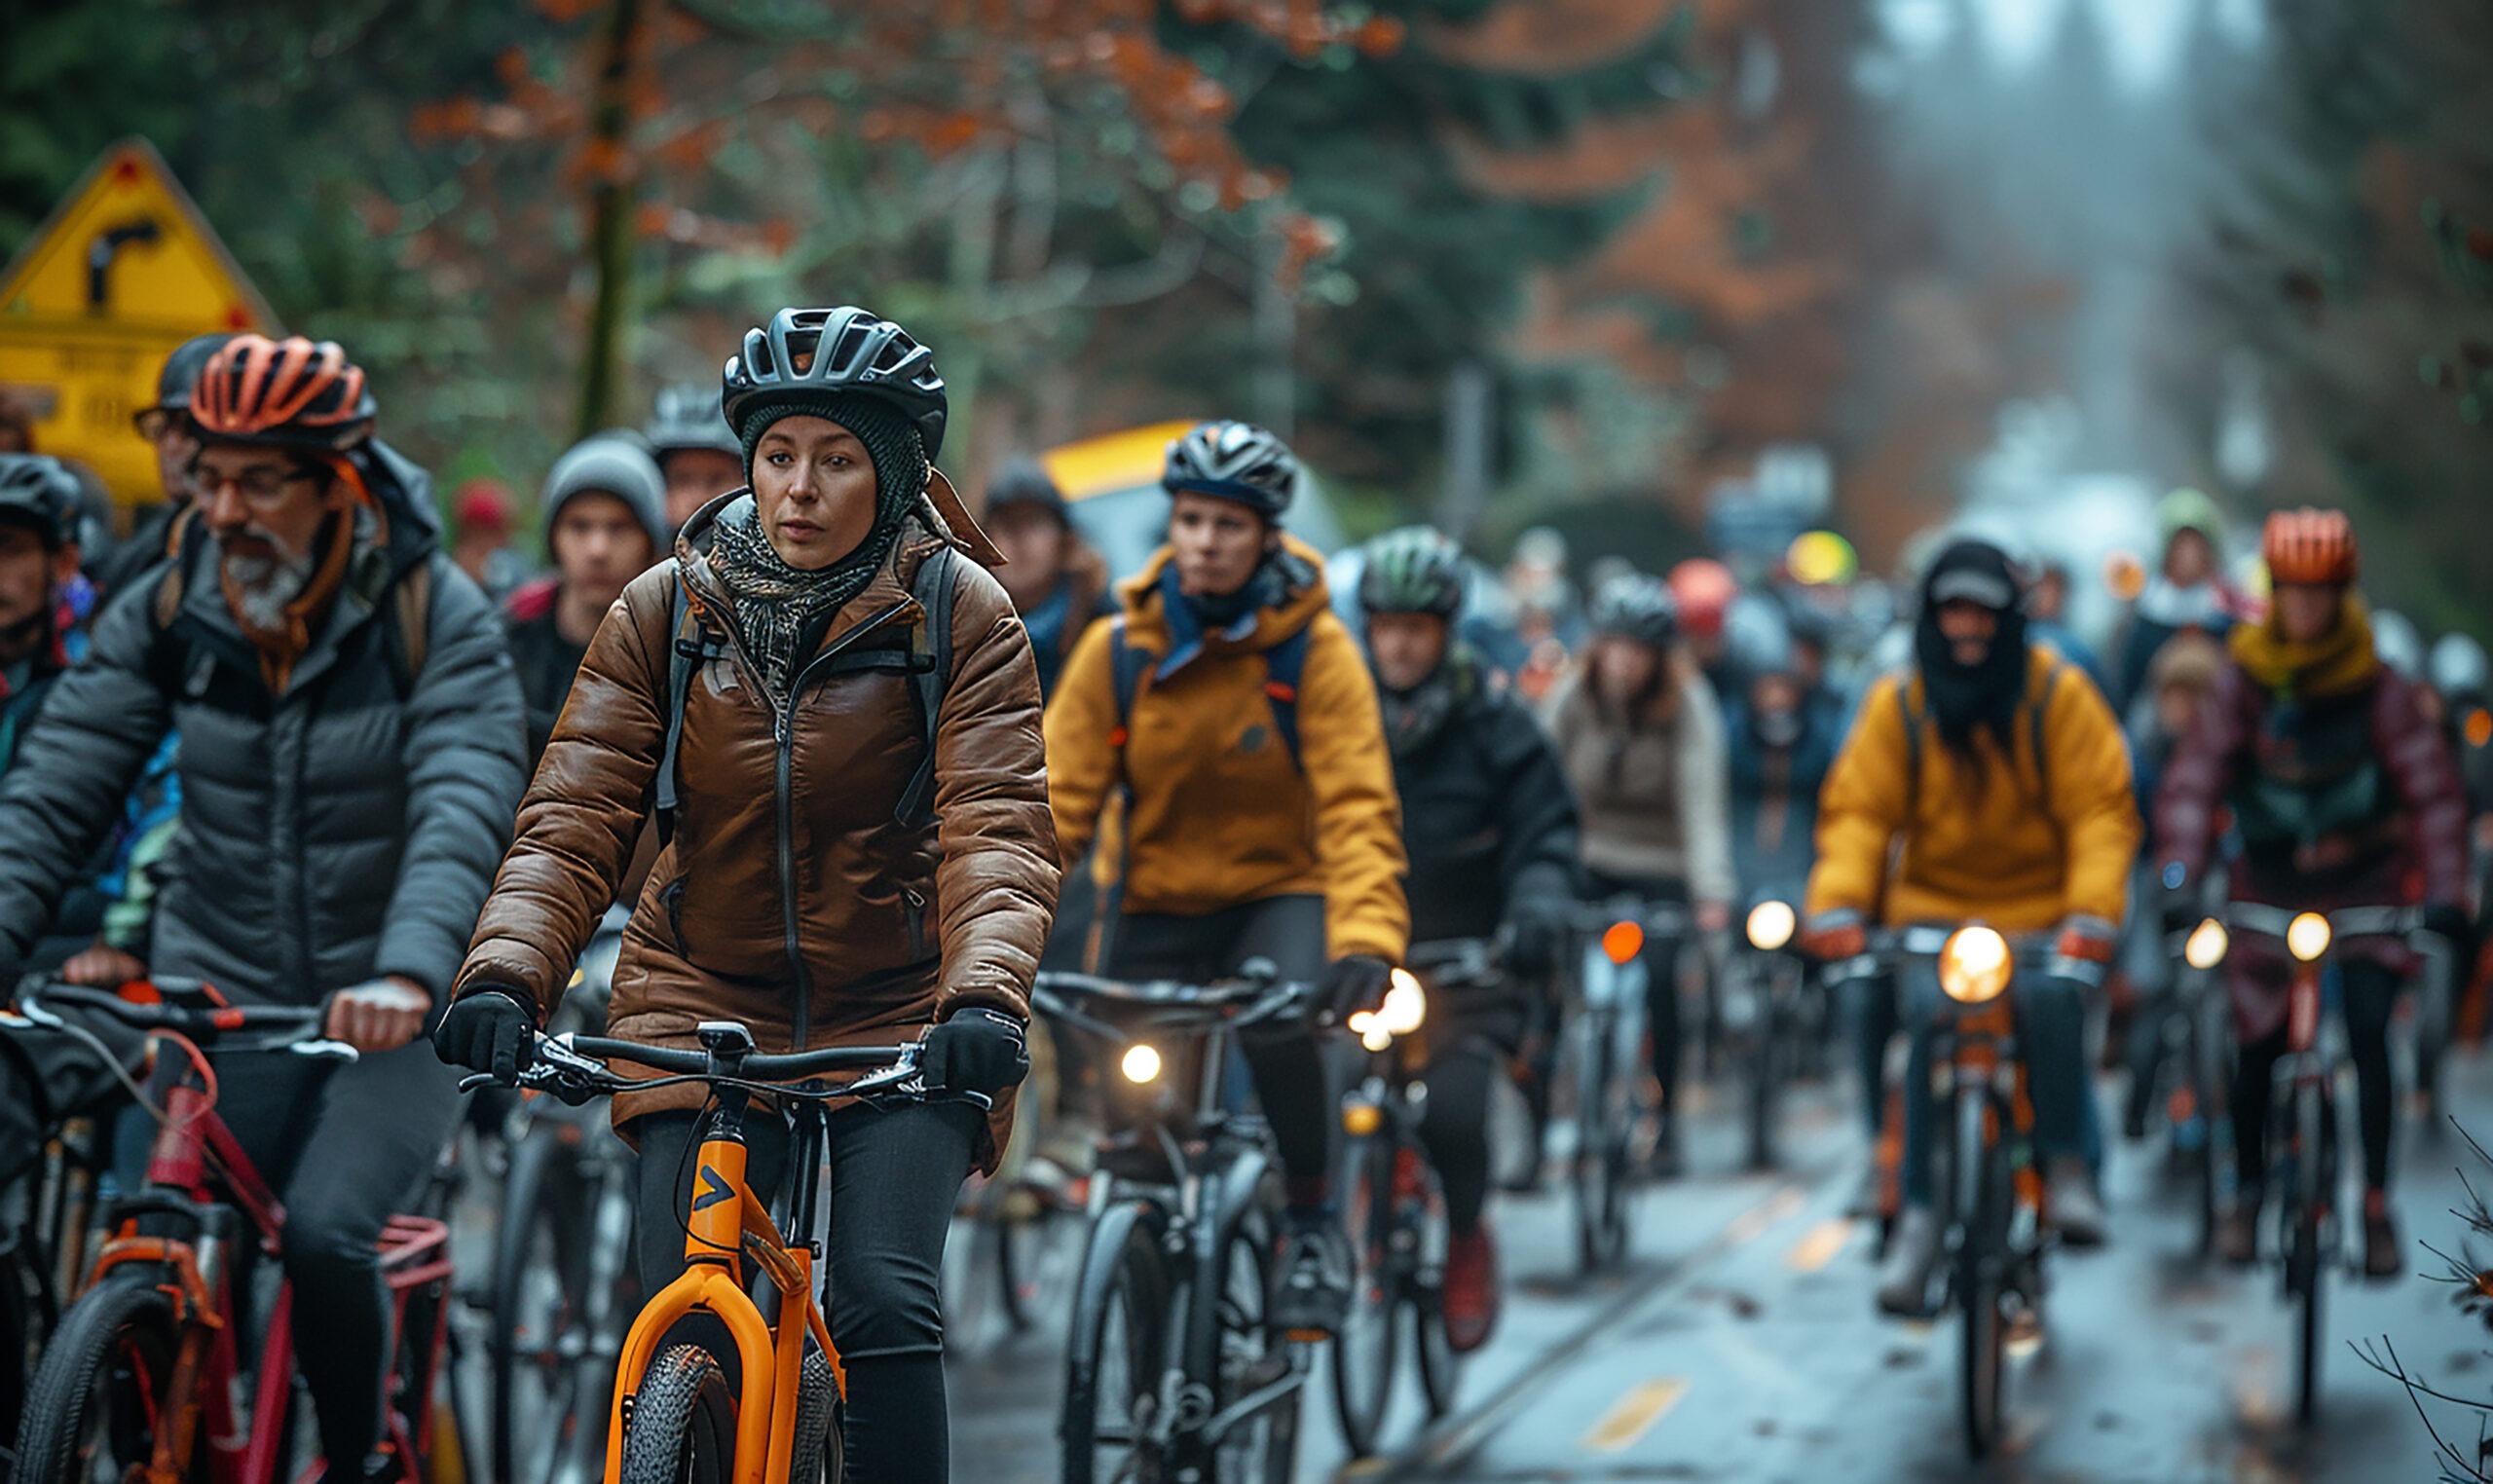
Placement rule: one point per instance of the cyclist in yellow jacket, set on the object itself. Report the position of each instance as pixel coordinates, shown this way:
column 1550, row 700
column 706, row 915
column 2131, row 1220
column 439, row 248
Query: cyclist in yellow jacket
column 1989, row 780
column 1236, row 713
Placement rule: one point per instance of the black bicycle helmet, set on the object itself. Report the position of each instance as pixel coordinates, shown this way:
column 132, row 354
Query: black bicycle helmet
column 1236, row 462
column 1639, row 606
column 804, row 353
column 687, row 417
column 292, row 394
column 39, row 490
column 1415, row 570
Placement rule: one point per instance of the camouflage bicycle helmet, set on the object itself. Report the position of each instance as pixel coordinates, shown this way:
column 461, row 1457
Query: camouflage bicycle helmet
column 39, row 492
column 1235, row 461
column 1638, row 606
column 285, row 393
column 1415, row 570
column 689, row 416
column 807, row 354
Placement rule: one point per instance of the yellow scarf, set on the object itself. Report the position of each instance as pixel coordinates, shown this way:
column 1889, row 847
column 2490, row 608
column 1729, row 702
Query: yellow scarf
column 2338, row 663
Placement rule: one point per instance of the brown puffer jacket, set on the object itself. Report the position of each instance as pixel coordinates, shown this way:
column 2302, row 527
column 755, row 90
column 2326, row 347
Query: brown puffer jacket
column 894, row 927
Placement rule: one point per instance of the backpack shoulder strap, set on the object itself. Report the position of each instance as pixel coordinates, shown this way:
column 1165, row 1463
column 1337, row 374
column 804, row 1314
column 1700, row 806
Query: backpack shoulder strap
column 411, row 625
column 1128, row 668
column 1912, row 714
column 690, row 644
column 1285, row 663
column 930, row 672
column 2036, row 713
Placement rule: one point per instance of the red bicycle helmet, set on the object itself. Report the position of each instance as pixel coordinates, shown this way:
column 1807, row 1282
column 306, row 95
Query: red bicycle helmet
column 289, row 394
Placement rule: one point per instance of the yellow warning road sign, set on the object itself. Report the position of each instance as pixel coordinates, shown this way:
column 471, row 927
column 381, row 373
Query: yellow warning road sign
column 124, row 270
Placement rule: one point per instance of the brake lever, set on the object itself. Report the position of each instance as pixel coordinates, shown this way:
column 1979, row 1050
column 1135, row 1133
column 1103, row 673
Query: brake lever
column 324, row 1049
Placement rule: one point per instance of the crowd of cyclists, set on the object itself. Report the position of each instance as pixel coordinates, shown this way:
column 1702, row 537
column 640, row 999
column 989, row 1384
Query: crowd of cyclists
column 859, row 763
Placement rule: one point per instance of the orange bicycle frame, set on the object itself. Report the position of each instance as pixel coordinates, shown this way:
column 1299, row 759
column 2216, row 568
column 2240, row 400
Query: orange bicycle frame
column 724, row 1212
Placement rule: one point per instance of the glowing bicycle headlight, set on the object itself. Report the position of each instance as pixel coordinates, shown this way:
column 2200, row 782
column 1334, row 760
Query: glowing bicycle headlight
column 2307, row 937
column 1404, row 1008
column 1772, row 925
column 1975, row 965
column 2207, row 945
column 1142, row 1063
column 1621, row 942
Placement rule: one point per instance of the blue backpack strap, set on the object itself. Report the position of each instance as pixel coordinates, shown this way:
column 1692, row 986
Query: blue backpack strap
column 1128, row 668
column 692, row 643
column 1283, row 666
column 930, row 670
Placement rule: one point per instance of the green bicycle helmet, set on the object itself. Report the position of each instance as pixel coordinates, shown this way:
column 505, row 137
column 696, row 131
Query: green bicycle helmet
column 1415, row 570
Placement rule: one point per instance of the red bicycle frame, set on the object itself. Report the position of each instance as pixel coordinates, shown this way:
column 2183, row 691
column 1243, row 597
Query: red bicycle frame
column 183, row 1224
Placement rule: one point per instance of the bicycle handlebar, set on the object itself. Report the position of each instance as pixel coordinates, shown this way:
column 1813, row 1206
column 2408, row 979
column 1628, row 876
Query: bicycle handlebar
column 575, row 1068
column 292, row 1027
column 1251, row 999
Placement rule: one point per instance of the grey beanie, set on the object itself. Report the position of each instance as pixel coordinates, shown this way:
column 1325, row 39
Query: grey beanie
column 609, row 463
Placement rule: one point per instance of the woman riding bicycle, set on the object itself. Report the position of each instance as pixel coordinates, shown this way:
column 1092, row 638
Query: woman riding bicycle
column 1640, row 738
column 1989, row 782
column 842, row 866
column 2342, row 796
column 1233, row 712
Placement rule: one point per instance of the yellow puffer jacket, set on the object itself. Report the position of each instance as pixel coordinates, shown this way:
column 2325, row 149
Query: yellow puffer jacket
column 2033, row 845
column 1220, row 814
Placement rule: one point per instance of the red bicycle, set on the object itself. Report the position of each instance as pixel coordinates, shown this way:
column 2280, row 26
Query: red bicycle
column 143, row 1380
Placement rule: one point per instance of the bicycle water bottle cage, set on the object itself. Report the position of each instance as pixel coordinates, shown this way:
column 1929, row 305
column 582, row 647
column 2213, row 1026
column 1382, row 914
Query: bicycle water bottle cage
column 721, row 1038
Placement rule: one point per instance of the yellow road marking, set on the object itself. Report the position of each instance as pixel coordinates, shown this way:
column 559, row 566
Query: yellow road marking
column 1818, row 1248
column 1634, row 1415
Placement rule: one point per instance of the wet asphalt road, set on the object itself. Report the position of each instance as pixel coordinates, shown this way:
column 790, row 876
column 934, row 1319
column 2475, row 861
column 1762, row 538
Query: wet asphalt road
column 1740, row 1346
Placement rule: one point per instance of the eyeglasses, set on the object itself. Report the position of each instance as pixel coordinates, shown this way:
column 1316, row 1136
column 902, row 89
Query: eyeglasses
column 258, row 485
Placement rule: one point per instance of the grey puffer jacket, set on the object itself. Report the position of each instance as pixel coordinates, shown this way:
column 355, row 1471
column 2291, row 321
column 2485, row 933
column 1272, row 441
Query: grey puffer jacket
column 346, row 829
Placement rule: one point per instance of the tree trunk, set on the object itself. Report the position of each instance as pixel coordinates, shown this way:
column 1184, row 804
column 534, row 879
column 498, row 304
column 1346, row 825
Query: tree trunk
column 614, row 186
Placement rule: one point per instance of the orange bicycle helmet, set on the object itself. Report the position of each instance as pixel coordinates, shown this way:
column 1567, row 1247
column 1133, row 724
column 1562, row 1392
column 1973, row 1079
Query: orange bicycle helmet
column 291, row 393
column 2310, row 548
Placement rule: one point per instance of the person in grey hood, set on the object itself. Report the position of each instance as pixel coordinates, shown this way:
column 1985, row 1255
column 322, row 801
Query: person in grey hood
column 605, row 525
column 349, row 765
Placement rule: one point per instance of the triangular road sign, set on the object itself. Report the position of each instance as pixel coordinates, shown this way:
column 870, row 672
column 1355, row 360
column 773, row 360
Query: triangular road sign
column 124, row 270
column 128, row 246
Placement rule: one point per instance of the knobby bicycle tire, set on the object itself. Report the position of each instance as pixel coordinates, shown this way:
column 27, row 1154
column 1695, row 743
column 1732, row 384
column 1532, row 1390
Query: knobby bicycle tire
column 120, row 1324
column 820, row 1453
column 1367, row 1351
column 1119, row 1320
column 684, row 1422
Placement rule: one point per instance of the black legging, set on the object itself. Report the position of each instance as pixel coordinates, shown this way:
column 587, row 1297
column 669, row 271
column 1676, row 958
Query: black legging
column 346, row 1148
column 1455, row 1127
column 1289, row 1073
column 894, row 1179
column 2369, row 992
column 1661, row 958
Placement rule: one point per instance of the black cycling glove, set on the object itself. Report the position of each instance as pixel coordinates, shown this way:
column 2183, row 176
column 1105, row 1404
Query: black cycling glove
column 1354, row 984
column 978, row 1050
column 1532, row 944
column 487, row 1030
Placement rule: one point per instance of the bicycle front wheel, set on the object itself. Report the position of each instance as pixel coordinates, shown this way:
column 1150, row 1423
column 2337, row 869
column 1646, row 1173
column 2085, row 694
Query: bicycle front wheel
column 1982, row 1263
column 1366, row 1350
column 2306, row 1267
column 540, row 1298
column 1605, row 1114
column 104, row 1389
column 1261, row 1448
column 684, row 1422
column 1112, row 1363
